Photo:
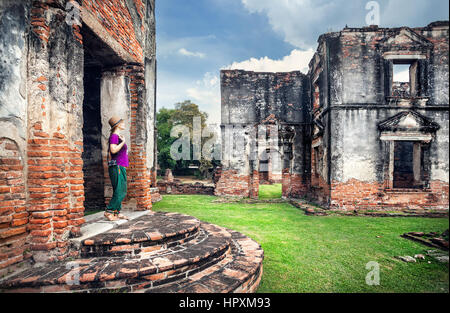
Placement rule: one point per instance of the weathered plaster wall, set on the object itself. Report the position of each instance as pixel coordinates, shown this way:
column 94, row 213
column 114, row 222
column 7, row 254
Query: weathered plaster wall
column 257, row 102
column 14, row 17
column 55, row 140
column 356, row 149
column 250, row 97
column 438, row 33
column 356, row 62
column 114, row 97
column 114, row 94
column 439, row 150
column 41, row 114
column 93, row 168
column 150, row 86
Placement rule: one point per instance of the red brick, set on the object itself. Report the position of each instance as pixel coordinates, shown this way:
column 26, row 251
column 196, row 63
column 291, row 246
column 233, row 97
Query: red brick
column 12, row 232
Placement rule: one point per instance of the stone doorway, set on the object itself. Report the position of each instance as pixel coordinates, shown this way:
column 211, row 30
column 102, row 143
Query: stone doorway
column 270, row 175
column 98, row 58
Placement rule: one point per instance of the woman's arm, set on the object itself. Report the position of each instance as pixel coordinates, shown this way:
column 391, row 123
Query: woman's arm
column 114, row 148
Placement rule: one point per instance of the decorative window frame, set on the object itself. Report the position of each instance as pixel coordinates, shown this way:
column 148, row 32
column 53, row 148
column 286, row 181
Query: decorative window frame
column 406, row 46
column 406, row 126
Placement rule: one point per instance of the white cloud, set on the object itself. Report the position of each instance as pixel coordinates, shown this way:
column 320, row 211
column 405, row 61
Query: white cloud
column 301, row 22
column 188, row 53
column 298, row 60
column 205, row 92
column 402, row 76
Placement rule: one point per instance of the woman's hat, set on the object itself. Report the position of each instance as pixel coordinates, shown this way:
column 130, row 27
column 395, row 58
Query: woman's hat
column 114, row 121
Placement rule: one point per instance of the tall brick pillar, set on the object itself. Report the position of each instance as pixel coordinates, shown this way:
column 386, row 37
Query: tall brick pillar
column 55, row 191
column 254, row 184
column 13, row 214
column 286, row 183
column 139, row 178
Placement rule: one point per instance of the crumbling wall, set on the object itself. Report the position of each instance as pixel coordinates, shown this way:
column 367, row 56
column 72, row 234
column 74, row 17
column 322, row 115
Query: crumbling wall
column 253, row 106
column 42, row 63
column 253, row 97
column 55, row 98
column 121, row 24
column 353, row 69
column 333, row 149
column 14, row 16
column 179, row 188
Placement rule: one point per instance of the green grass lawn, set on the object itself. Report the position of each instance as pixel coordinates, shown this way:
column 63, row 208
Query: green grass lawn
column 267, row 192
column 323, row 254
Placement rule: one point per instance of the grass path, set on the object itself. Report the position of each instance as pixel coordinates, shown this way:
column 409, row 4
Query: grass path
column 267, row 192
column 323, row 254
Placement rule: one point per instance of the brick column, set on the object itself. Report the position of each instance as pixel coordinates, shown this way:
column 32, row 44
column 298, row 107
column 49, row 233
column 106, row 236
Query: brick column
column 13, row 214
column 139, row 179
column 286, row 183
column 55, row 191
column 254, row 184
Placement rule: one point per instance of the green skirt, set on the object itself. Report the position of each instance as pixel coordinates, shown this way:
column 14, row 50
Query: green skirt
column 118, row 176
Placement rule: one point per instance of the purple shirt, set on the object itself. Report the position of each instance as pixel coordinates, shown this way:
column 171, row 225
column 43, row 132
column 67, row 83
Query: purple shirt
column 122, row 156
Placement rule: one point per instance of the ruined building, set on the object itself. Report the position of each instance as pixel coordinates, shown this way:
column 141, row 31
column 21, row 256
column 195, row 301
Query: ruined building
column 65, row 68
column 349, row 135
column 268, row 105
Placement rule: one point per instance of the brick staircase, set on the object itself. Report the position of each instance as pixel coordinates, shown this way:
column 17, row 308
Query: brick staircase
column 156, row 252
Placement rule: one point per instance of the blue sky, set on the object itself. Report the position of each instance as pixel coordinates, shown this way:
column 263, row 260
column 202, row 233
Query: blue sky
column 198, row 38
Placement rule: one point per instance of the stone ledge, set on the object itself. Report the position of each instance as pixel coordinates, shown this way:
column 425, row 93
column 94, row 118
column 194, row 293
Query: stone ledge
column 315, row 210
column 240, row 272
column 152, row 226
column 96, row 224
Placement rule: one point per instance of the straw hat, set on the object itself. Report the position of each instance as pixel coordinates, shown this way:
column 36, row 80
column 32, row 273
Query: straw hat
column 114, row 121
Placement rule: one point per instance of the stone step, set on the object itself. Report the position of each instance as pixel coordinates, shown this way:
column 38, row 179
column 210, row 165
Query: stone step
column 216, row 260
column 104, row 273
column 153, row 232
column 239, row 272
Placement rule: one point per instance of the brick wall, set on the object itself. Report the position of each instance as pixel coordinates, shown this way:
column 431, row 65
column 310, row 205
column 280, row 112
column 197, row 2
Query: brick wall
column 231, row 183
column 140, row 179
column 55, row 189
column 115, row 17
column 359, row 195
column 13, row 213
column 320, row 189
column 178, row 188
column 294, row 185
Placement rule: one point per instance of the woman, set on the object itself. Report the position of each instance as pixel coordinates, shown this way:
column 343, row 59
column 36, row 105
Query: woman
column 117, row 164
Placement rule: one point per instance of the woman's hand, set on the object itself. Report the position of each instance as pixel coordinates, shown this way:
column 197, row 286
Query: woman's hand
column 115, row 148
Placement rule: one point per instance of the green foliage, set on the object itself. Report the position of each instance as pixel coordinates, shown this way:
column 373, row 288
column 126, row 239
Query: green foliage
column 166, row 119
column 185, row 112
column 164, row 124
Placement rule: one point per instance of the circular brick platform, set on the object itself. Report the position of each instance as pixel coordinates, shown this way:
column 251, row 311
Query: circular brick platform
column 158, row 252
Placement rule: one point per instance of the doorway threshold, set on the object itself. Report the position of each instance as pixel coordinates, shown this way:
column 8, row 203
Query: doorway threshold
column 97, row 223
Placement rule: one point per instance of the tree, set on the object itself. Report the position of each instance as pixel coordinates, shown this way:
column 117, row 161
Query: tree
column 185, row 112
column 164, row 124
column 166, row 119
